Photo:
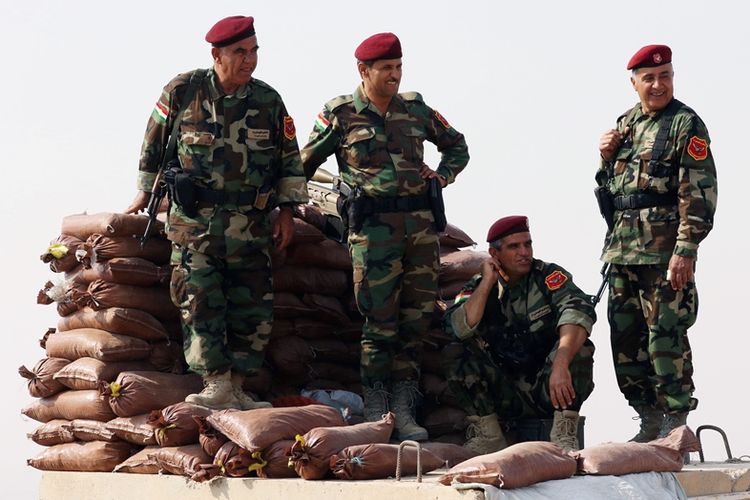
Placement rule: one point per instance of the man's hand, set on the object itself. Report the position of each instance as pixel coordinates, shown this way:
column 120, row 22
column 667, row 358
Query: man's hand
column 492, row 270
column 610, row 143
column 561, row 391
column 283, row 228
column 139, row 203
column 680, row 271
column 427, row 173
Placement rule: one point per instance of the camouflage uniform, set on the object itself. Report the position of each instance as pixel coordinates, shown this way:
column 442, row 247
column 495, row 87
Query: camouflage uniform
column 503, row 364
column 395, row 254
column 242, row 146
column 648, row 319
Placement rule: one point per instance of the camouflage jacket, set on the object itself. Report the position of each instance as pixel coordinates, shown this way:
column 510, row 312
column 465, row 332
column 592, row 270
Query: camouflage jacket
column 383, row 154
column 229, row 143
column 528, row 315
column 686, row 169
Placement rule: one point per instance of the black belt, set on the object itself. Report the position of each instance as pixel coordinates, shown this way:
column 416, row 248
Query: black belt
column 644, row 200
column 245, row 197
column 394, row 204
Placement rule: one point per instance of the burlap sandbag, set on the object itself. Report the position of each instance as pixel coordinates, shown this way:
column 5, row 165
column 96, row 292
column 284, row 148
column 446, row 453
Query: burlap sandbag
column 282, row 328
column 84, row 225
column 124, row 270
column 327, row 308
column 378, row 461
column 290, row 355
column 98, row 344
column 53, row 432
column 455, row 238
column 140, row 463
column 153, row 300
column 130, row 322
column 68, row 296
column 659, row 455
column 298, row 279
column 70, row 405
column 93, row 456
column 255, row 430
column 451, row 454
column 180, row 460
column 99, row 248
column 335, row 371
column 309, row 328
column 91, row 430
column 288, row 306
column 41, row 382
column 260, row 382
column 448, row 291
column 305, row 233
column 175, row 425
column 326, row 254
column 273, row 462
column 168, row 357
column 209, row 438
column 134, row 430
column 88, row 373
column 522, row 464
column 61, row 253
column 311, row 453
column 461, row 266
column 334, row 351
column 134, row 393
column 226, row 452
column 310, row 214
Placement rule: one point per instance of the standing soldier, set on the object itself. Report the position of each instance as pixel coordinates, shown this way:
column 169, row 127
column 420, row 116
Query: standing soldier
column 377, row 136
column 657, row 188
column 238, row 159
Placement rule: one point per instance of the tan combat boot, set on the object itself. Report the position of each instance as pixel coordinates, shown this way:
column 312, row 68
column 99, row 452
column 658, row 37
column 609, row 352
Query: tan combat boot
column 217, row 393
column 484, row 434
column 564, row 431
column 403, row 404
column 246, row 402
column 651, row 421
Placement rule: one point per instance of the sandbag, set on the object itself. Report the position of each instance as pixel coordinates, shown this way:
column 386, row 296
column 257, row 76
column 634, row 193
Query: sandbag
column 282, row 328
column 290, row 355
column 334, row 351
column 455, row 238
column 326, row 308
column 327, row 254
column 53, row 432
column 91, row 430
column 519, row 465
column 334, row 371
column 140, row 463
column 273, row 462
column 659, row 455
column 134, row 430
column 175, row 425
column 310, row 214
column 309, row 328
column 378, row 461
column 255, row 430
column 68, row 296
column 155, row 301
column 209, row 438
column 180, row 460
column 41, row 382
column 99, row 248
column 305, row 233
column 331, row 282
column 88, row 373
column 84, row 225
column 451, row 454
column 98, row 344
column 311, row 453
column 61, row 253
column 93, row 456
column 259, row 382
column 461, row 266
column 130, row 322
column 123, row 270
column 288, row 306
column 228, row 451
column 70, row 405
column 167, row 357
column 134, row 393
column 449, row 290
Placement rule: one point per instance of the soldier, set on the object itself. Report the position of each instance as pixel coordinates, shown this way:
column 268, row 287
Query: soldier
column 239, row 159
column 659, row 178
column 377, row 136
column 524, row 349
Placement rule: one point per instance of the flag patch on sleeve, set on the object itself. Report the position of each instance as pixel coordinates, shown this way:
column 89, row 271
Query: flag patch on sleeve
column 161, row 112
column 321, row 123
column 462, row 296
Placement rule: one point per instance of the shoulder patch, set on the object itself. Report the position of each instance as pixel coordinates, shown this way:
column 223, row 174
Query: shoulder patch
column 289, row 131
column 462, row 296
column 339, row 101
column 411, row 96
column 442, row 119
column 698, row 148
column 555, row 280
column 322, row 123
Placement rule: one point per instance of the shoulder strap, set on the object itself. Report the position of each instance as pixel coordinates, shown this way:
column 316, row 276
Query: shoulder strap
column 660, row 143
column 627, row 123
column 196, row 79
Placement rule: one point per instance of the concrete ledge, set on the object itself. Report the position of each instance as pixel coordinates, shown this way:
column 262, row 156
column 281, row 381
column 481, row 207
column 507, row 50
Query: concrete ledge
column 714, row 478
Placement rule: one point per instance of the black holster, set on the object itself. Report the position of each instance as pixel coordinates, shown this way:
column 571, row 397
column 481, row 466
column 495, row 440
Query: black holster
column 435, row 194
column 606, row 203
column 181, row 188
column 355, row 210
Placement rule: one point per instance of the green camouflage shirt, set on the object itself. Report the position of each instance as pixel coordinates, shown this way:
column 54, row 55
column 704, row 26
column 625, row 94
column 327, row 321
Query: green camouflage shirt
column 686, row 168
column 383, row 154
column 230, row 143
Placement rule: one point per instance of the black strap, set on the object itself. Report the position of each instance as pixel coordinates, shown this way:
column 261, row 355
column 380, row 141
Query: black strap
column 662, row 136
column 644, row 200
column 195, row 81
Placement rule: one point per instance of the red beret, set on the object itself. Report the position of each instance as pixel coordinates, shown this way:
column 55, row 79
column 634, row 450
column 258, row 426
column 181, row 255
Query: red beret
column 650, row 56
column 508, row 225
column 230, row 30
column 379, row 46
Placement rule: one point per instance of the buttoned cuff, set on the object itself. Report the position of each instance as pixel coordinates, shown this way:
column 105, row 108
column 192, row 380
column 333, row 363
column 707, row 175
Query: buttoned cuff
column 146, row 181
column 292, row 190
column 461, row 328
column 573, row 317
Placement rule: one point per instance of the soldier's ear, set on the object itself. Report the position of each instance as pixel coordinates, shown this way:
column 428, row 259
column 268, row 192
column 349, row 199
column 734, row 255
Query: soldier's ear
column 215, row 53
column 362, row 70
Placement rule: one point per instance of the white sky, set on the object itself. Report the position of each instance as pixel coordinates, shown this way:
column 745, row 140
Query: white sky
column 532, row 85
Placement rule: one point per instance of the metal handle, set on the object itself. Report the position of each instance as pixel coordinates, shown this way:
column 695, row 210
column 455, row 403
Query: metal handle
column 419, row 459
column 723, row 436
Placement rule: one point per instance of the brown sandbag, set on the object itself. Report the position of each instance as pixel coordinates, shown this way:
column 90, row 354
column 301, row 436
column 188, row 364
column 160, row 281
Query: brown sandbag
column 334, row 351
column 93, row 456
column 134, row 430
column 99, row 248
column 98, row 344
column 68, row 296
column 327, row 308
column 88, row 373
column 290, row 355
column 124, row 270
column 41, row 382
column 519, row 465
column 461, row 266
column 180, row 460
column 155, row 301
column 256, row 430
column 448, row 291
column 378, row 461
column 168, row 357
column 327, row 254
column 61, row 253
column 70, row 405
column 451, row 454
column 84, row 225
column 287, row 305
column 259, row 383
column 209, row 438
column 282, row 328
column 121, row 320
column 659, row 455
column 312, row 452
column 175, row 425
column 455, row 238
column 134, row 393
column 54, row 432
column 140, row 463
column 273, row 462
column 335, row 371
column 298, row 279
column 310, row 214
column 305, row 233
column 309, row 328
column 91, row 430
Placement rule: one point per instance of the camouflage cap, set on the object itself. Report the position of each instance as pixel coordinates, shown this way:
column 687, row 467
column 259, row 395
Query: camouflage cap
column 230, row 30
column 507, row 225
column 650, row 56
column 379, row 46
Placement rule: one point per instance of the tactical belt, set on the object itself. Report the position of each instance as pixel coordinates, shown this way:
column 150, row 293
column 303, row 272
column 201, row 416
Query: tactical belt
column 245, row 197
column 644, row 200
column 371, row 205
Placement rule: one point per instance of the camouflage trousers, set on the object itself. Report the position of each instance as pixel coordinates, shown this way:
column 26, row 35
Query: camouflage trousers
column 482, row 387
column 648, row 331
column 395, row 260
column 226, row 308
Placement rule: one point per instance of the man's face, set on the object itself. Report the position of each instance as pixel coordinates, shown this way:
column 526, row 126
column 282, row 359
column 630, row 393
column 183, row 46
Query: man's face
column 383, row 78
column 655, row 87
column 515, row 254
column 235, row 63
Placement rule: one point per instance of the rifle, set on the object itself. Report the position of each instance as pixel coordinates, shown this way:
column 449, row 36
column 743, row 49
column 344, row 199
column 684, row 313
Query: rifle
column 331, row 201
column 605, row 278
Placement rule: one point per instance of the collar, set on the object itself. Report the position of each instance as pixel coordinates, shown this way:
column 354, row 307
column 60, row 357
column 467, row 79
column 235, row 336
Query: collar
column 215, row 92
column 362, row 102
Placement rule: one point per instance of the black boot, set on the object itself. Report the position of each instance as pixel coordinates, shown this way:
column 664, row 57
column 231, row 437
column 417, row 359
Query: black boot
column 651, row 422
column 376, row 401
column 404, row 404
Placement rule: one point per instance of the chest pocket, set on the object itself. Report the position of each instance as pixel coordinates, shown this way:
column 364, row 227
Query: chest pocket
column 413, row 143
column 359, row 146
column 196, row 148
column 659, row 176
column 542, row 318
